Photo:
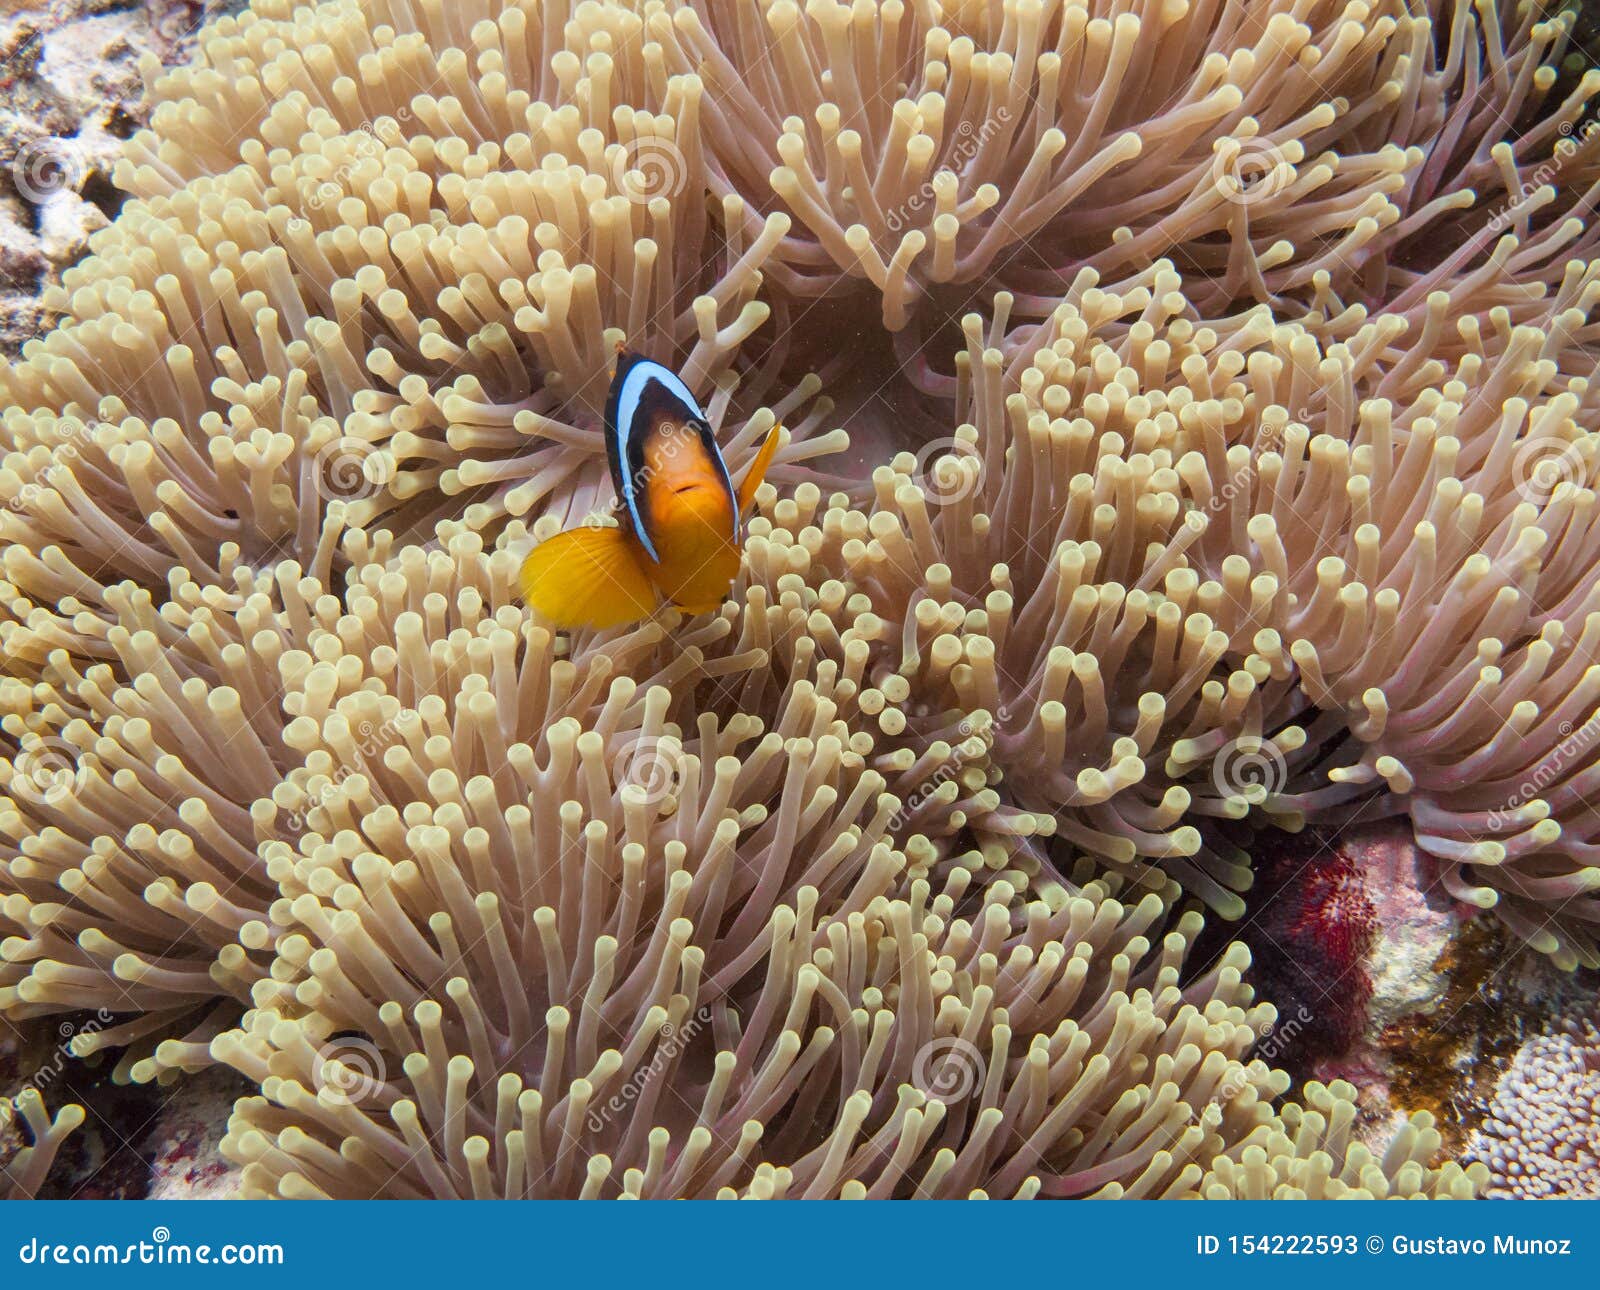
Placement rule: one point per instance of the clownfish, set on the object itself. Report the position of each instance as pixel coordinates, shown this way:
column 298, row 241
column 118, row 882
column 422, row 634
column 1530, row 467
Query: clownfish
column 681, row 521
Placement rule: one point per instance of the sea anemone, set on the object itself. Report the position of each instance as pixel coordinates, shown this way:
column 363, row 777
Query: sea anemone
column 130, row 819
column 1028, row 592
column 634, row 958
column 1305, row 155
column 834, row 1029
column 454, row 245
column 1311, row 1153
column 23, row 1168
column 1234, row 473
column 1163, row 566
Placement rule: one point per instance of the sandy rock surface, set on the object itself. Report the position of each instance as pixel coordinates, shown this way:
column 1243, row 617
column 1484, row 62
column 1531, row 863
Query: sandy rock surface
column 70, row 93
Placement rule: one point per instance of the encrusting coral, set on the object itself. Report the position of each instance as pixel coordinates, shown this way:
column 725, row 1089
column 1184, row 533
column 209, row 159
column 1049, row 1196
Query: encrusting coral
column 1257, row 489
column 1540, row 1137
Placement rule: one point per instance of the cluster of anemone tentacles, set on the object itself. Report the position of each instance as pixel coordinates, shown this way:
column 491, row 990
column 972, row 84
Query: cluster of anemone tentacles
column 1210, row 453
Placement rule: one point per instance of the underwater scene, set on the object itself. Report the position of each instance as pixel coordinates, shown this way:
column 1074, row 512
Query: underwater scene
column 799, row 599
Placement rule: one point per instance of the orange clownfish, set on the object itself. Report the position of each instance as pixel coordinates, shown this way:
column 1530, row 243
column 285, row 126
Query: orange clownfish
column 681, row 530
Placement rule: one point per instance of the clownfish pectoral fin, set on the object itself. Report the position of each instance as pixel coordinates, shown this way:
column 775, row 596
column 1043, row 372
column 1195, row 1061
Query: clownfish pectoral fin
column 588, row 577
column 758, row 469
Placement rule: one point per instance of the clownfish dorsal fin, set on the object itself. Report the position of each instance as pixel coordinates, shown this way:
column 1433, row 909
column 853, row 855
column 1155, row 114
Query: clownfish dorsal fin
column 758, row 469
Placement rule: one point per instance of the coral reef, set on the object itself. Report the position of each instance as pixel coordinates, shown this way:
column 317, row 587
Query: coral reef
column 1237, row 478
column 185, row 1163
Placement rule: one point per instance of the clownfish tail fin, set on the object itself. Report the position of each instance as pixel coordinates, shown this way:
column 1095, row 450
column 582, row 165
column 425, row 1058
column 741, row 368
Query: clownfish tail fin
column 758, row 469
column 588, row 577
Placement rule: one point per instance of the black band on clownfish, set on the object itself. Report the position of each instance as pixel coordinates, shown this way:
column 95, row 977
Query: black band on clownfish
column 644, row 394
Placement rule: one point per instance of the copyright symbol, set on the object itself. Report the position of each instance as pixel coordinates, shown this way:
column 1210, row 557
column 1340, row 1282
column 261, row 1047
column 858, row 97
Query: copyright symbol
column 1374, row 1245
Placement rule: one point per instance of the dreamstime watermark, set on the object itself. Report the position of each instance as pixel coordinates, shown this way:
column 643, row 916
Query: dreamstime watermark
column 1246, row 171
column 671, row 440
column 674, row 1039
column 360, row 146
column 653, row 766
column 350, row 1071
column 46, row 771
column 1544, row 173
column 1278, row 1035
column 1275, row 1040
column 961, row 755
column 949, row 470
column 648, row 167
column 61, row 461
column 160, row 1249
column 45, row 1076
column 1553, row 766
column 969, row 141
column 1543, row 463
column 44, row 167
column 1249, row 767
column 373, row 739
column 948, row 1069
column 1241, row 482
column 347, row 469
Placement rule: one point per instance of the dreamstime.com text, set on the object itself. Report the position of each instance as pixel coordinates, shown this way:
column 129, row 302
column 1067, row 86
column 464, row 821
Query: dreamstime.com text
column 160, row 1250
